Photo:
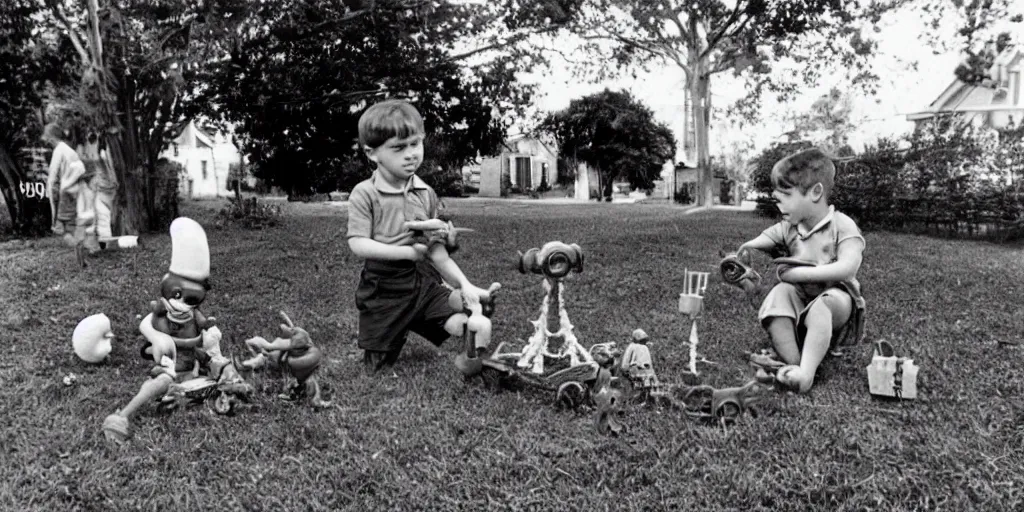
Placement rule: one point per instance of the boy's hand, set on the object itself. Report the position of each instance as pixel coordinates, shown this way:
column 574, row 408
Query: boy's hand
column 419, row 252
column 792, row 270
column 473, row 295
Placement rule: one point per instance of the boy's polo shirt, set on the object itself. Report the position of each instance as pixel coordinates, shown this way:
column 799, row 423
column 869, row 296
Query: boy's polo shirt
column 820, row 244
column 378, row 211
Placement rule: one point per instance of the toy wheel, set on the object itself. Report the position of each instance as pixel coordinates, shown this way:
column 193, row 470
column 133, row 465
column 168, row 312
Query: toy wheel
column 167, row 404
column 728, row 412
column 571, row 395
column 223, row 404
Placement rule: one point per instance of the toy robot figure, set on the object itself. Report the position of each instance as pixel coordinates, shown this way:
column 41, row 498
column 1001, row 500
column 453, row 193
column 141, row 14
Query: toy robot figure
column 179, row 338
column 554, row 261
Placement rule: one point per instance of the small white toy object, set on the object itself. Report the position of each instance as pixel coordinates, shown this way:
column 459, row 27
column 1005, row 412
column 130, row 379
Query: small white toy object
column 91, row 339
column 889, row 375
column 691, row 303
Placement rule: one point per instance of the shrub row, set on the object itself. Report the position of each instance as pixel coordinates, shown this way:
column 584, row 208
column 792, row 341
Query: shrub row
column 949, row 178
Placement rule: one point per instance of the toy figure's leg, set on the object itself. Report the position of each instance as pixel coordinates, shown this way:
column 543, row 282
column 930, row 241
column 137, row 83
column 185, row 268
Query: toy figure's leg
column 313, row 391
column 115, row 426
column 256, row 362
column 828, row 311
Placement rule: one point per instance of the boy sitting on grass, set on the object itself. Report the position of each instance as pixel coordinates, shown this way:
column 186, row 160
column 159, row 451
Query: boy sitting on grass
column 400, row 287
column 817, row 303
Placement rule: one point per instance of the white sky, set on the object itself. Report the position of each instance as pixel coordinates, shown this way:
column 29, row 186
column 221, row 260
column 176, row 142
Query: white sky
column 902, row 90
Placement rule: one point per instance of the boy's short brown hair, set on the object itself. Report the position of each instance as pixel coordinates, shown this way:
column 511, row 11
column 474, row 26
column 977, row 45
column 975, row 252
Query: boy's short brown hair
column 387, row 119
column 803, row 170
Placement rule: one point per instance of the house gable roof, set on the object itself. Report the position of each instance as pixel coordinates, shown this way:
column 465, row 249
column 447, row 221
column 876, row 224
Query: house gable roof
column 958, row 96
column 510, row 143
column 192, row 136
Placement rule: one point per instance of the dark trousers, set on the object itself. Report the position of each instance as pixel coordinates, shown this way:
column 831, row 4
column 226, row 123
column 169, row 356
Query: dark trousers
column 393, row 298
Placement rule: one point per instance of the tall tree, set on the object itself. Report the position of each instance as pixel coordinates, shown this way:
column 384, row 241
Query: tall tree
column 295, row 84
column 140, row 62
column 615, row 134
column 982, row 29
column 707, row 37
column 829, row 122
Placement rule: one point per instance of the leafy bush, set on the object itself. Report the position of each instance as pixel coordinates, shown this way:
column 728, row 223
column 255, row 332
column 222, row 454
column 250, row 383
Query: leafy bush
column 249, row 213
column 447, row 183
column 953, row 178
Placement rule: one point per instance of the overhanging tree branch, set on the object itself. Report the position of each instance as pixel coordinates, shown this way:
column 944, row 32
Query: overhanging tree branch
column 72, row 32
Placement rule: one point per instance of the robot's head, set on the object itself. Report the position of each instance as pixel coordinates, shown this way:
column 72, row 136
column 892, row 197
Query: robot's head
column 554, row 260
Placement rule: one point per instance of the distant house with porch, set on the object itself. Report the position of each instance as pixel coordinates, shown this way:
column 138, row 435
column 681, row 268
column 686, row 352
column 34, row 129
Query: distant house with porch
column 206, row 161
column 994, row 104
column 525, row 161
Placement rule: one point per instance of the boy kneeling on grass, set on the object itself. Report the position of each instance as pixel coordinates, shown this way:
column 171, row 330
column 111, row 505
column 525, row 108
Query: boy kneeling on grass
column 399, row 291
column 818, row 303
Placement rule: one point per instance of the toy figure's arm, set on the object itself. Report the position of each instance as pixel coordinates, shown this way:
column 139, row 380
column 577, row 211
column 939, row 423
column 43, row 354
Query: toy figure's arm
column 269, row 346
column 163, row 344
column 849, row 255
column 367, row 248
column 204, row 322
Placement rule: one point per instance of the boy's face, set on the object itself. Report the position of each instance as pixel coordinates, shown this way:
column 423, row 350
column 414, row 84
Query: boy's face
column 795, row 205
column 399, row 158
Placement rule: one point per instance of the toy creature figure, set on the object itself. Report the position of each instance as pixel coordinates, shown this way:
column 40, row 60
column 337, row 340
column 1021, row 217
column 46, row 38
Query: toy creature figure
column 434, row 231
column 554, row 261
column 178, row 337
column 636, row 362
column 473, row 323
column 296, row 355
column 91, row 339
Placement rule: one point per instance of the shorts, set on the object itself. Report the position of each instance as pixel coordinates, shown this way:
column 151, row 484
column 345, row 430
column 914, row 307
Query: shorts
column 790, row 301
column 395, row 297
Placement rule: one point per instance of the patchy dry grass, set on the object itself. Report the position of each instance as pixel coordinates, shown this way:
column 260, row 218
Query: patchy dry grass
column 429, row 441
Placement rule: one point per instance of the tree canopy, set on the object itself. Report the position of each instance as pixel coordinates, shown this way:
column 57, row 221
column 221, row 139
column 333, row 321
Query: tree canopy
column 748, row 37
column 29, row 67
column 614, row 133
column 295, row 85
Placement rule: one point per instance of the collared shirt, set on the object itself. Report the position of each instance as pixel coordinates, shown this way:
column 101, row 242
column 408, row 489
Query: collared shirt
column 820, row 244
column 377, row 210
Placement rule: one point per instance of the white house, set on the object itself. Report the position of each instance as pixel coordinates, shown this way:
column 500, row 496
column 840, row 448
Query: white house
column 991, row 104
column 526, row 161
column 206, row 161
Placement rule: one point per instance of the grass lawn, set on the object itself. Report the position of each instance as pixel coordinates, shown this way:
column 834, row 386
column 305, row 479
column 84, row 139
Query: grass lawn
column 429, row 441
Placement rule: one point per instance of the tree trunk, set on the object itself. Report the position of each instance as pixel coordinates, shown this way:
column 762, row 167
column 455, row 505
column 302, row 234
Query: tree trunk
column 700, row 89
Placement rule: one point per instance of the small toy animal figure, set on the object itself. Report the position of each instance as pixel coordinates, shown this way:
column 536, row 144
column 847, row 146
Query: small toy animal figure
column 296, row 355
column 636, row 362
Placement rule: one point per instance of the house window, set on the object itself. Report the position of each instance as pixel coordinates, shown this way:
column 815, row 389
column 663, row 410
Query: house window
column 544, row 173
column 175, row 149
column 202, row 163
column 523, row 173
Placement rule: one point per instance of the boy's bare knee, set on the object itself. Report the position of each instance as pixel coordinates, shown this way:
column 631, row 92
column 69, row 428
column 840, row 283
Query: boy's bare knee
column 819, row 316
column 837, row 305
column 785, row 288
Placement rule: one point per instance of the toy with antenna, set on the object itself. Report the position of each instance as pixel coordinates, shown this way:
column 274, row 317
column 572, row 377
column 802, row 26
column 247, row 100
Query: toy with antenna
column 691, row 304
